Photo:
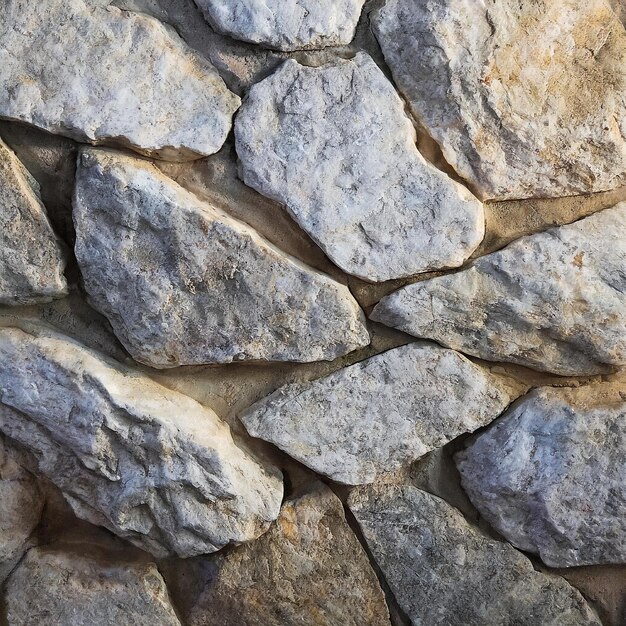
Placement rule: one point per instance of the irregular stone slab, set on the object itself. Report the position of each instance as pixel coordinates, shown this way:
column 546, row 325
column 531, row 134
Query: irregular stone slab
column 550, row 475
column 554, row 301
column 285, row 24
column 333, row 144
column 148, row 463
column 381, row 413
column 31, row 259
column 520, row 108
column 183, row 283
column 444, row 571
column 309, row 568
column 52, row 586
column 104, row 76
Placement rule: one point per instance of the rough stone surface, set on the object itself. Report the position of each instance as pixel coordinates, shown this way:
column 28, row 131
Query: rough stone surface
column 380, row 414
column 550, row 475
column 183, row 283
column 148, row 463
column 444, row 571
column 525, row 98
column 554, row 301
column 285, row 24
column 71, row 589
column 31, row 259
column 101, row 75
column 309, row 568
column 333, row 144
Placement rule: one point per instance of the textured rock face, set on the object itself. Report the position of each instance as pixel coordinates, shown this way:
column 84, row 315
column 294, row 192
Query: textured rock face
column 444, row 571
column 526, row 99
column 550, row 474
column 285, row 24
column 147, row 463
column 31, row 260
column 334, row 145
column 309, row 568
column 183, row 283
column 555, row 301
column 53, row 587
column 379, row 414
column 101, row 75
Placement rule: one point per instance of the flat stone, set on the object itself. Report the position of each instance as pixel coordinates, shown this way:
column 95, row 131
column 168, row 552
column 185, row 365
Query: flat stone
column 526, row 99
column 184, row 283
column 285, row 24
column 380, row 414
column 148, row 463
column 31, row 258
column 334, row 145
column 444, row 571
column 554, row 301
column 550, row 475
column 309, row 568
column 104, row 76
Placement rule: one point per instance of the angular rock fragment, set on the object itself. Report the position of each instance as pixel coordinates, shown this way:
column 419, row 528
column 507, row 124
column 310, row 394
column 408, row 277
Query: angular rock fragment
column 526, row 99
column 333, row 144
column 105, row 76
column 31, row 259
column 443, row 571
column 183, row 283
column 554, row 301
column 285, row 24
column 381, row 413
column 550, row 475
column 309, row 568
column 148, row 463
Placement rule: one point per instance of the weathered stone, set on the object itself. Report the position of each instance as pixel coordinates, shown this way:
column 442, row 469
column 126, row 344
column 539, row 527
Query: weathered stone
column 69, row 588
column 526, row 99
column 554, row 301
column 379, row 414
column 309, row 568
column 101, row 75
column 550, row 475
column 444, row 571
column 184, row 283
column 148, row 463
column 285, row 24
column 31, row 259
column 334, row 145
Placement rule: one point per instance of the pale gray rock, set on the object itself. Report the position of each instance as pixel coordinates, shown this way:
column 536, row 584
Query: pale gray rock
column 550, row 475
column 285, row 24
column 444, row 571
column 334, row 145
column 148, row 463
column 51, row 586
column 380, row 414
column 183, row 283
column 31, row 258
column 105, row 76
column 526, row 99
column 309, row 568
column 554, row 301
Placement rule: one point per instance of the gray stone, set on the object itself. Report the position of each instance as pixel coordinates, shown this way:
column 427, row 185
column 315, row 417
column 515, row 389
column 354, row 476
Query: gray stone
column 550, row 475
column 105, row 76
column 526, row 99
column 380, row 414
column 148, row 463
column 31, row 259
column 554, row 301
column 333, row 144
column 184, row 283
column 309, row 568
column 444, row 571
